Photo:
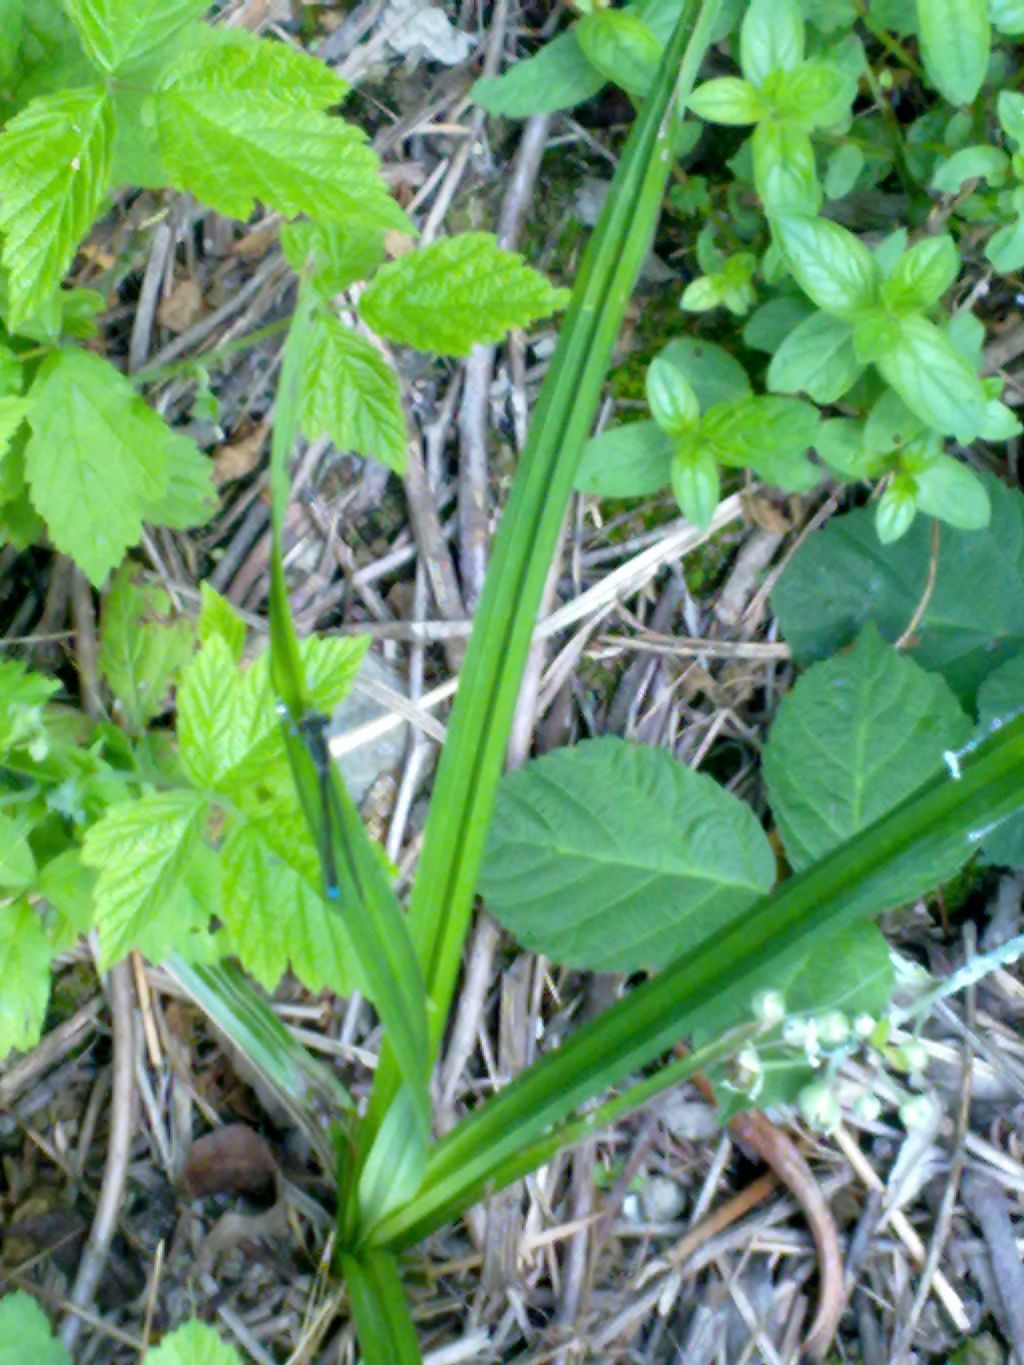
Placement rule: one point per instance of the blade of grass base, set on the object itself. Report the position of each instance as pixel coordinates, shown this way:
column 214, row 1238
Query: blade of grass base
column 384, row 1325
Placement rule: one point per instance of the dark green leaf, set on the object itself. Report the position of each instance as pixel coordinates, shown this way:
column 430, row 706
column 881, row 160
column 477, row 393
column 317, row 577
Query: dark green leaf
column 816, row 357
column 716, row 376
column 557, row 77
column 1001, row 697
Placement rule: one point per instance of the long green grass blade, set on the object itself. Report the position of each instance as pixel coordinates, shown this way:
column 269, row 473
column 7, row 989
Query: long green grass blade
column 356, row 883
column 473, row 757
column 384, row 1325
column 984, row 786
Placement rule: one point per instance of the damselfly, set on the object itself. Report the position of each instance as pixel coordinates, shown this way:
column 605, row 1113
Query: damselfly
column 312, row 730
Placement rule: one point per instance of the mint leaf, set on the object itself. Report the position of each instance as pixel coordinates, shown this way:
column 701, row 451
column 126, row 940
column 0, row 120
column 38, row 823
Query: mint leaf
column 716, row 376
column 982, row 162
column 193, row 1344
column 350, row 393
column 341, row 253
column 1007, row 15
column 856, row 735
column 241, row 120
column 934, row 380
column 25, row 1333
column 922, row 274
column 274, row 909
column 670, row 397
column 695, row 482
column 727, row 99
column 119, row 33
column 97, row 460
column 768, row 326
column 817, row 357
column 784, row 168
column 557, row 77
column 814, row 94
column 954, row 37
column 141, row 850
column 999, row 699
column 631, row 461
column 621, row 47
column 832, row 266
column 616, row 857
column 771, row 38
column 218, row 617
column 456, row 292
column 1005, row 248
column 949, row 489
column 25, row 972
column 54, row 169
column 142, row 647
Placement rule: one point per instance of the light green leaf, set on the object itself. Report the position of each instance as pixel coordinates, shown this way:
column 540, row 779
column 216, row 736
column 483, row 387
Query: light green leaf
column 815, row 94
column 895, row 510
column 341, row 253
column 1007, row 15
column 54, row 169
column 11, row 34
column 274, row 908
column 841, row 578
column 934, row 380
column 616, row 857
column 950, row 490
column 189, row 498
column 784, row 169
column 455, row 292
column 1000, row 424
column 141, row 850
column 119, row 33
column 350, row 393
column 193, row 1344
column 670, row 397
column 238, row 122
column 67, row 885
column 631, row 461
column 771, row 38
column 557, row 77
column 843, row 170
column 856, row 735
column 25, row 1334
column 715, row 375
column 17, row 864
column 25, row 972
column 143, row 647
column 695, row 483
column 954, row 37
column 1010, row 107
column 727, row 99
column 218, row 617
column 98, row 458
column 971, row 163
column 816, row 357
column 922, row 274
column 703, row 294
column 621, row 47
column 752, row 430
column 22, row 698
column 891, row 425
column 832, row 266
column 1005, row 248
column 13, row 412
column 999, row 700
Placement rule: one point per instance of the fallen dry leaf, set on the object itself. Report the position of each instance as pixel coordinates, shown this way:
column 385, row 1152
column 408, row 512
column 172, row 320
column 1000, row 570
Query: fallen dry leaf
column 237, row 458
column 182, row 306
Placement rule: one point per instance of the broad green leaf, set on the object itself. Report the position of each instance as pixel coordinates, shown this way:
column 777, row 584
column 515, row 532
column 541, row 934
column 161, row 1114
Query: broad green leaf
column 891, row 426
column 974, row 621
column 784, row 169
column 715, row 375
column 118, row 33
column 815, row 94
column 11, row 34
column 142, row 850
column 816, row 357
column 856, row 735
column 630, row 461
column 557, row 77
column 768, row 326
column 1010, row 107
column 971, row 163
column 218, row 617
column 341, row 253
column 922, row 274
column 832, row 266
column 25, row 972
column 727, row 99
column 949, row 489
column 189, row 498
column 13, row 412
column 98, row 458
column 350, row 393
column 621, row 47
column 696, row 483
column 54, row 170
column 17, row 864
column 843, row 170
column 1005, row 248
column 241, row 121
column 274, row 908
column 193, row 1344
column 25, row 1334
column 934, row 380
column 143, row 647
column 456, row 292
column 1001, row 697
column 616, row 857
column 671, row 398
column 954, row 37
column 752, row 430
column 1007, row 15
column 895, row 510
column 771, row 38
column 67, row 885
column 22, row 698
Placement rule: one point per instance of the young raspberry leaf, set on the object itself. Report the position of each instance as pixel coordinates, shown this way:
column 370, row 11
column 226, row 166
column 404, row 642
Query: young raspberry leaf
column 341, row 254
column 119, row 33
column 456, row 292
column 25, row 971
column 143, row 647
column 25, row 1333
column 54, row 170
column 350, row 393
column 218, row 617
column 193, row 1344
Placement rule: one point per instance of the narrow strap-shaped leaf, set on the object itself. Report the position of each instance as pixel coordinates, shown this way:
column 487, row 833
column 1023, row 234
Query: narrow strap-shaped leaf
column 384, row 1325
column 473, row 757
column 355, row 882
column 984, row 786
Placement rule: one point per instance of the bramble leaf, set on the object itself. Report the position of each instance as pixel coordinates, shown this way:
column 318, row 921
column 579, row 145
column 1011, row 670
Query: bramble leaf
column 218, row 617
column 54, row 170
column 193, row 1344
column 142, row 647
column 954, row 37
column 22, row 697
column 25, row 1333
column 142, row 850
column 17, row 863
column 341, row 254
column 617, row 857
column 25, row 971
column 118, row 33
column 98, row 460
column 455, row 292
column 999, row 699
column 350, row 393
